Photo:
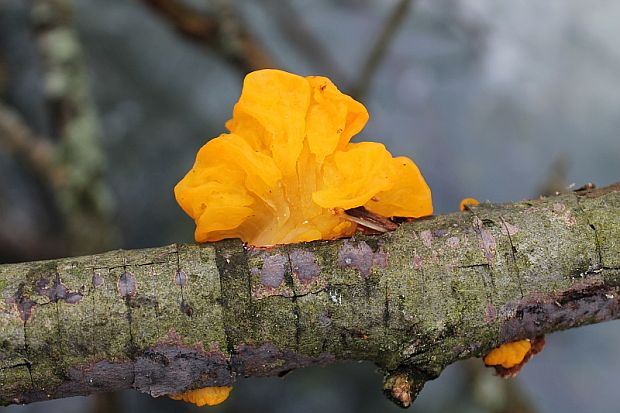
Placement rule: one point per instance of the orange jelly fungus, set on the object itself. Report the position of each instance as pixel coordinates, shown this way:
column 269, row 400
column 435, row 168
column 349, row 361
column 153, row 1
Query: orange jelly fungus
column 207, row 395
column 467, row 202
column 286, row 170
column 508, row 355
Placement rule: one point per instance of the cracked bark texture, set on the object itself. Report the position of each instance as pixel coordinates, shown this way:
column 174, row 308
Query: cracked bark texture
column 413, row 301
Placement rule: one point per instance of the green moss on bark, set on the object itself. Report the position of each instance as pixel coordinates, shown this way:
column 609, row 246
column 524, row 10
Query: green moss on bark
column 413, row 301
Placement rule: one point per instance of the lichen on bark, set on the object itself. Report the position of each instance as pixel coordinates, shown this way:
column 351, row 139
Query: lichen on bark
column 414, row 300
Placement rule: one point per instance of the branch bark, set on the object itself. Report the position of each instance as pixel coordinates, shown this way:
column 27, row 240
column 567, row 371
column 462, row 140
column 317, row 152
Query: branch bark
column 413, row 301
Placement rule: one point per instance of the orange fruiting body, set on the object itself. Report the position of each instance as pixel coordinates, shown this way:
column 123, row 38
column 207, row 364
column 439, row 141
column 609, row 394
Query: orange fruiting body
column 207, row 395
column 287, row 170
column 509, row 354
column 467, row 202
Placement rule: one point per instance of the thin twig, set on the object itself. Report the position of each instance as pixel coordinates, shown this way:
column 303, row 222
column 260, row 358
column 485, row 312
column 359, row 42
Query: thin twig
column 380, row 48
column 294, row 27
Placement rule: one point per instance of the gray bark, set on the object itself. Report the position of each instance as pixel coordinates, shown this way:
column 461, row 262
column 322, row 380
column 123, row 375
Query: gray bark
column 413, row 301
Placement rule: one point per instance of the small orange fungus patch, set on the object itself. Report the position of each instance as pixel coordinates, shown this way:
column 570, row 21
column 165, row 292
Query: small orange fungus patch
column 467, row 202
column 287, row 170
column 509, row 354
column 207, row 395
column 508, row 359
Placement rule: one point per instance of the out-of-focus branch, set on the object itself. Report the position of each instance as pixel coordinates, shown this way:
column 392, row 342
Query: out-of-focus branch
column 223, row 33
column 83, row 197
column 35, row 152
column 294, row 27
column 19, row 245
column 380, row 48
column 185, row 19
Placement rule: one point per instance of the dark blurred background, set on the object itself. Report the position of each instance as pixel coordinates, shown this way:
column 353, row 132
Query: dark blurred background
column 103, row 104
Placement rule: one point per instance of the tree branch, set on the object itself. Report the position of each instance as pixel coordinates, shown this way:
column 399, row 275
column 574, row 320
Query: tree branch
column 413, row 301
column 224, row 33
column 84, row 198
column 378, row 51
column 54, row 128
column 36, row 152
column 294, row 27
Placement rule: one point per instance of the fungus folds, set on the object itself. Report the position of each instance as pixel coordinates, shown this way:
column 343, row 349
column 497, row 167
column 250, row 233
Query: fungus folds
column 287, row 170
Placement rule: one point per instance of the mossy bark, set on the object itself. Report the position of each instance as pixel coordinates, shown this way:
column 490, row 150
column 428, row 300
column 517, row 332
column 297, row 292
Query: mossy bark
column 414, row 300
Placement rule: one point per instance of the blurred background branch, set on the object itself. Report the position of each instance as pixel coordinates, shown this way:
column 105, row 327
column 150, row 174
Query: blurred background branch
column 380, row 48
column 62, row 147
column 84, row 199
column 37, row 153
column 224, row 31
column 292, row 24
